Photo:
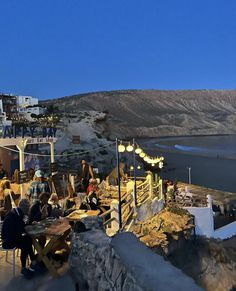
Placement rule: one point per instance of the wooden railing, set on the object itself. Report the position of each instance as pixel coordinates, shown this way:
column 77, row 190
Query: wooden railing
column 143, row 192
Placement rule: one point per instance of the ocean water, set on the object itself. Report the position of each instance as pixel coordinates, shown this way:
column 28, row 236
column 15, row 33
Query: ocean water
column 212, row 159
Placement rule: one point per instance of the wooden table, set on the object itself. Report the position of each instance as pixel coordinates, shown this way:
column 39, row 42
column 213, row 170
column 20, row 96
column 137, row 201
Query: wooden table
column 78, row 214
column 56, row 233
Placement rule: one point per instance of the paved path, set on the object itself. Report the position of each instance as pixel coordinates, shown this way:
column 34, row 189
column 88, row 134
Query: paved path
column 40, row 282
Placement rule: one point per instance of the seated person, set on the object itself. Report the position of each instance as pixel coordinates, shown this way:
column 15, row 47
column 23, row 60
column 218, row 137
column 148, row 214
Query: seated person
column 93, row 200
column 93, row 195
column 70, row 205
column 13, row 235
column 41, row 209
column 92, row 185
column 56, row 208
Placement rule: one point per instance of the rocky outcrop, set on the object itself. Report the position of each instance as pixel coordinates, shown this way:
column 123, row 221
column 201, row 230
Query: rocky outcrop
column 211, row 263
column 101, row 263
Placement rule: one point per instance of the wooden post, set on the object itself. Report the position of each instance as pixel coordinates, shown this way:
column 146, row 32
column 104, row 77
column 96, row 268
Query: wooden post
column 119, row 191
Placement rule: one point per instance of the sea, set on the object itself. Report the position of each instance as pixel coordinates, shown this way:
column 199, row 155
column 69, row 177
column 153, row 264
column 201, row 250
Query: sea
column 208, row 161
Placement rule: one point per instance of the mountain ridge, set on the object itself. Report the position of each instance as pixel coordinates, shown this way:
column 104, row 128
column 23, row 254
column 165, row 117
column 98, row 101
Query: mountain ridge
column 154, row 113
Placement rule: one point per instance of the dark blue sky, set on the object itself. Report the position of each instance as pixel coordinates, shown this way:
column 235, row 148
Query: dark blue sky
column 53, row 48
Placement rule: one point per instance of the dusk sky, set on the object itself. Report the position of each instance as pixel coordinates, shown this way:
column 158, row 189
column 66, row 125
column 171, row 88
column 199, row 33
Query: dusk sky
column 54, row 48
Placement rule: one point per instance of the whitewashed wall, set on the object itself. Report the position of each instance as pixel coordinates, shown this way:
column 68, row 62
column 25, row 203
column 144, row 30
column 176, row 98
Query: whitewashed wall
column 204, row 223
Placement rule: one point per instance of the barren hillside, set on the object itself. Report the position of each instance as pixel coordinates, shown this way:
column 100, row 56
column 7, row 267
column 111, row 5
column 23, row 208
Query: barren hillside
column 152, row 113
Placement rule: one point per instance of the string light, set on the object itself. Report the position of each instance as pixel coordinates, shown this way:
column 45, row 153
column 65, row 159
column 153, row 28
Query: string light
column 129, row 148
column 121, row 148
column 57, row 155
column 138, row 150
column 146, row 158
column 142, row 155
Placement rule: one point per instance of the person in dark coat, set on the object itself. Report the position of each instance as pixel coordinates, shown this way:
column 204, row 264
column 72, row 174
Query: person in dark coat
column 14, row 236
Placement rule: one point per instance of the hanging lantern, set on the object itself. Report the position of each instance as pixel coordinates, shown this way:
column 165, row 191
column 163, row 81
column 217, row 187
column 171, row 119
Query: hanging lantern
column 129, row 148
column 162, row 158
column 139, row 167
column 153, row 164
column 131, row 168
column 161, row 165
column 121, row 148
column 142, row 155
column 138, row 151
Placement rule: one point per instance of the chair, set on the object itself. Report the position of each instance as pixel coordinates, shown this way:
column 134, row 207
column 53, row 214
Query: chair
column 13, row 250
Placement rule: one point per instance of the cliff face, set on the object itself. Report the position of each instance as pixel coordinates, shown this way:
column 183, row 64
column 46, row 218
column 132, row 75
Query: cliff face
column 153, row 113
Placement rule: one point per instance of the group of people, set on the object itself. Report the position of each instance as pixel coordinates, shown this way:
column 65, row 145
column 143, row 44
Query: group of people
column 39, row 204
column 13, row 228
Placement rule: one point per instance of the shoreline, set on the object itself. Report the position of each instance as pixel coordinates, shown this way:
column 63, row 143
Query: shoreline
column 149, row 145
column 215, row 170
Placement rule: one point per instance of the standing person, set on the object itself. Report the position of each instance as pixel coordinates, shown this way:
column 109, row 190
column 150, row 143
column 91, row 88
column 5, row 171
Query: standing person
column 113, row 176
column 38, row 186
column 3, row 172
column 86, row 174
column 13, row 235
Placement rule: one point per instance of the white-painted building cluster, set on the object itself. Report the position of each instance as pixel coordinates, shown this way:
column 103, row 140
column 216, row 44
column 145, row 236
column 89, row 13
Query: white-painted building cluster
column 12, row 106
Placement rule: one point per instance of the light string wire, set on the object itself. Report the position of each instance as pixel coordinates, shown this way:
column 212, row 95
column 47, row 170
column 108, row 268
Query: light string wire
column 61, row 155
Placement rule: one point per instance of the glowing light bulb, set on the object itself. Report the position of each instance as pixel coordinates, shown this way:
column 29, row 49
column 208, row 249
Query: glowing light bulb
column 142, row 155
column 138, row 151
column 121, row 148
column 129, row 148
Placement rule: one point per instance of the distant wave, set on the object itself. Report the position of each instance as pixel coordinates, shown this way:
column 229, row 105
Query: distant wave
column 191, row 149
column 183, row 148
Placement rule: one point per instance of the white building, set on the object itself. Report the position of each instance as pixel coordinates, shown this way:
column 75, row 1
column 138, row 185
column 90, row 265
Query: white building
column 3, row 116
column 28, row 105
column 24, row 101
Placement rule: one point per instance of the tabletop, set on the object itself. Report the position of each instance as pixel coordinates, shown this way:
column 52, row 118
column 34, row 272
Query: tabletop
column 46, row 227
column 78, row 214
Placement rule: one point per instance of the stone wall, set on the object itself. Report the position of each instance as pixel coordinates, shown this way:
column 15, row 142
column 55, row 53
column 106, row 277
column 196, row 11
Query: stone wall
column 99, row 262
